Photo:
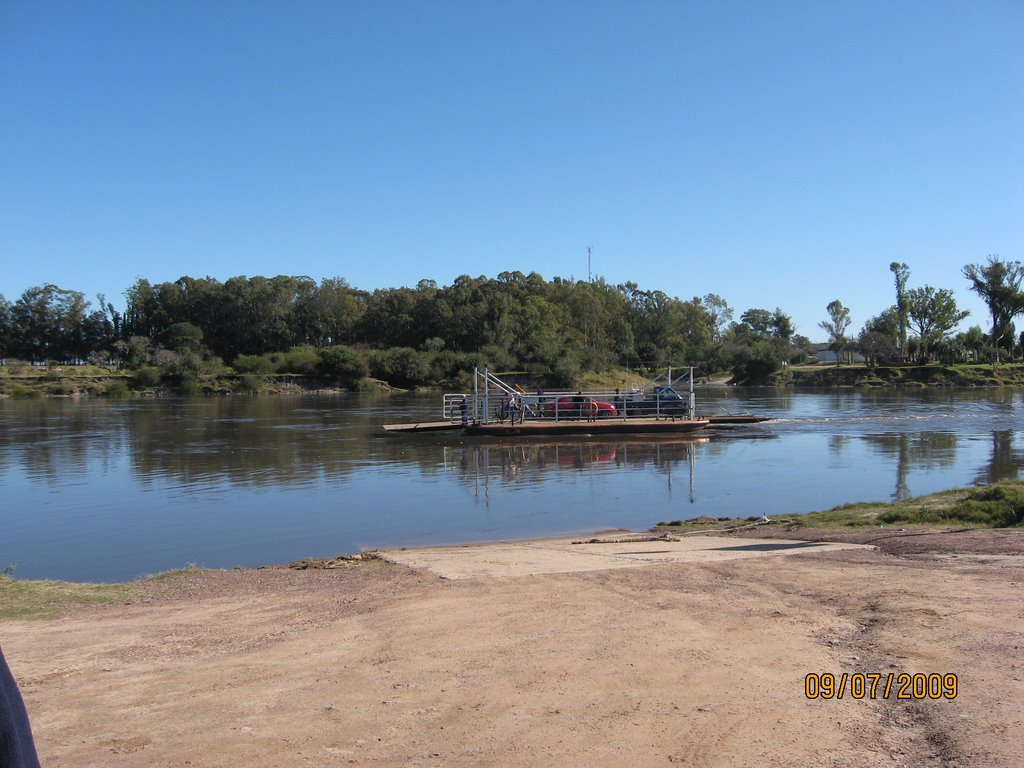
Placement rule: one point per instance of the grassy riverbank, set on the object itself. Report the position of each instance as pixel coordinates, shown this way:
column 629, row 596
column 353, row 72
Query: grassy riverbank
column 28, row 382
column 934, row 375
column 46, row 599
column 1000, row 505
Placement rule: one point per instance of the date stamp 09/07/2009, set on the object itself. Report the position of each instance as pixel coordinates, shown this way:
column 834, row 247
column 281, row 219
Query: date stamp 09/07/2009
column 881, row 685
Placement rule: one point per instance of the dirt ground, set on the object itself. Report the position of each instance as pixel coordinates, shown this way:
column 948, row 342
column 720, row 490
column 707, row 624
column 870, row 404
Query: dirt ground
column 667, row 663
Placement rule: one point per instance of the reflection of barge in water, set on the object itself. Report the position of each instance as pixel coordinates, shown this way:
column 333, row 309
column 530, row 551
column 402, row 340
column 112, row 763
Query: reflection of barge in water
column 497, row 409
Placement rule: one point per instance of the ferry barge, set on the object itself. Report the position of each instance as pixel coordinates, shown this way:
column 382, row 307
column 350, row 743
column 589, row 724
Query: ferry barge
column 496, row 408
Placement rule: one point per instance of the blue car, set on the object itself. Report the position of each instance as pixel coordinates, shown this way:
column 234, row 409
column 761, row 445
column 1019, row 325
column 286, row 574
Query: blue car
column 663, row 401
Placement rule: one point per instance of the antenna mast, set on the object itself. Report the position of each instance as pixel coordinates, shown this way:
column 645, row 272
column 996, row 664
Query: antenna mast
column 590, row 275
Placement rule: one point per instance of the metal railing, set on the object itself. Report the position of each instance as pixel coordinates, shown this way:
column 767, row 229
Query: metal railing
column 495, row 400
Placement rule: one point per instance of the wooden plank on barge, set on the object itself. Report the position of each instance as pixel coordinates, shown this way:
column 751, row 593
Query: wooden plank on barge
column 423, row 426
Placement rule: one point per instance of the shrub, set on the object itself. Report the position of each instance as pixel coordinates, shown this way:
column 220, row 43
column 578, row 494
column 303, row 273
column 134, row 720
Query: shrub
column 401, row 367
column 754, row 362
column 148, row 376
column 497, row 358
column 343, row 363
column 566, row 370
column 365, row 384
column 187, row 385
column 253, row 364
column 301, row 360
column 1004, row 501
column 249, row 383
column 453, row 368
column 117, row 389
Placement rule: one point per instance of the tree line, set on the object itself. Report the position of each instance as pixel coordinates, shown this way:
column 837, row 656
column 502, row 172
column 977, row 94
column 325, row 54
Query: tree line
column 932, row 315
column 434, row 334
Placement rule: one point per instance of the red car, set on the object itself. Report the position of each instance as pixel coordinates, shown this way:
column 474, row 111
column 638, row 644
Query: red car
column 577, row 407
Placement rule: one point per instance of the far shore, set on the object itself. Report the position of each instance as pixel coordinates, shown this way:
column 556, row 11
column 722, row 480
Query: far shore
column 93, row 381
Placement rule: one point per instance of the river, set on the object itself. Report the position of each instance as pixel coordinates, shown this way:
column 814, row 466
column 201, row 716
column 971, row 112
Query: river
column 98, row 490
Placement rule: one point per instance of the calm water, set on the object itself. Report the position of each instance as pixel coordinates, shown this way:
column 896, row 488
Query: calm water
column 106, row 491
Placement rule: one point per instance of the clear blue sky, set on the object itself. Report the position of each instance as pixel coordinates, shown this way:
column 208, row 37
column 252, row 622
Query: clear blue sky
column 780, row 154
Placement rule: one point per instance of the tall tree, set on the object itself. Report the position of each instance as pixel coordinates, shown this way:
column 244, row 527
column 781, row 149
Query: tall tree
column 974, row 341
column 47, row 324
column 999, row 285
column 885, row 322
column 879, row 337
column 719, row 315
column 901, row 272
column 934, row 314
column 774, row 328
column 761, row 321
column 835, row 327
column 874, row 345
column 5, row 328
column 782, row 325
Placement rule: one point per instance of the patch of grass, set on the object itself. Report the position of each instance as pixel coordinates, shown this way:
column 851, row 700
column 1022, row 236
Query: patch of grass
column 25, row 393
column 189, row 569
column 188, row 386
column 48, row 599
column 993, row 506
column 1000, row 505
column 146, row 377
column 366, row 384
column 933, row 374
column 117, row 389
column 845, row 516
column 249, row 383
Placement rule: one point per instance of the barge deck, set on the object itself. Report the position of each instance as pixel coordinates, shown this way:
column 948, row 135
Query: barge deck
column 518, row 413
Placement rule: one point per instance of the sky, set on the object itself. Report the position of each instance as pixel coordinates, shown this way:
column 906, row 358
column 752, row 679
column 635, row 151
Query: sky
column 778, row 154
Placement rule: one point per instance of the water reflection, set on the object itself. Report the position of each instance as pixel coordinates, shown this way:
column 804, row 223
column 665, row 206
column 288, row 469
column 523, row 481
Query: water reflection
column 241, row 441
column 261, row 442
column 476, row 463
column 914, row 450
column 1007, row 460
column 137, row 485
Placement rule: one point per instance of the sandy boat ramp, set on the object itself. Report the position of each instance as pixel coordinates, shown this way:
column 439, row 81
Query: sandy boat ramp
column 637, row 652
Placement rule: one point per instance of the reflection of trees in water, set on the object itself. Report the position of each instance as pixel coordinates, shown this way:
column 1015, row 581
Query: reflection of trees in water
column 536, row 462
column 526, row 462
column 246, row 441
column 53, row 439
column 915, row 450
column 260, row 441
column 836, row 443
column 477, row 464
column 1006, row 462
column 938, row 450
